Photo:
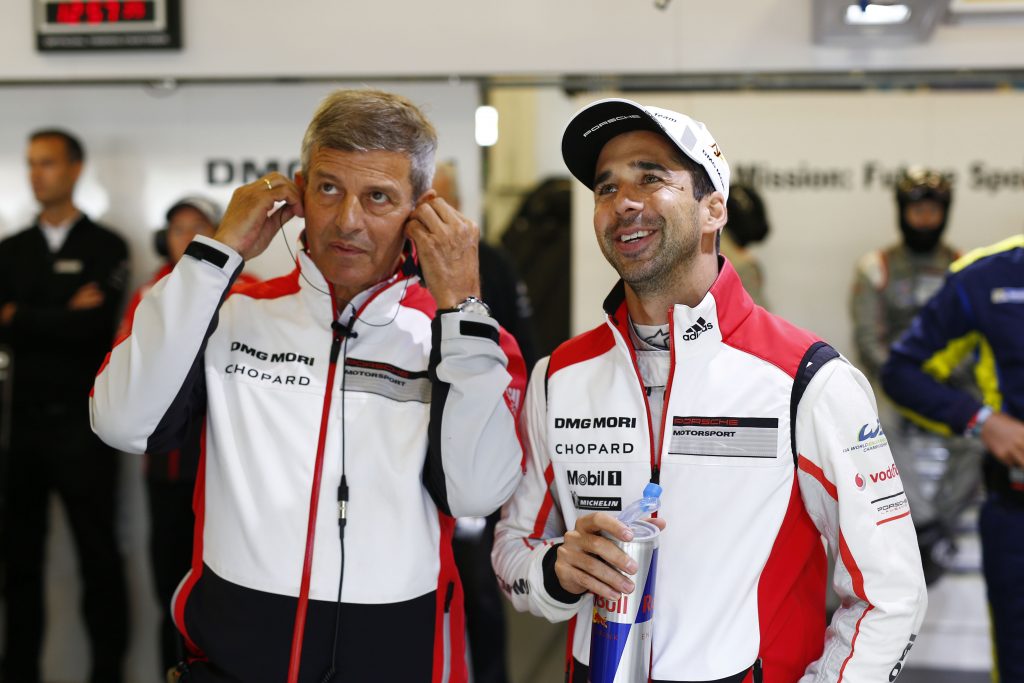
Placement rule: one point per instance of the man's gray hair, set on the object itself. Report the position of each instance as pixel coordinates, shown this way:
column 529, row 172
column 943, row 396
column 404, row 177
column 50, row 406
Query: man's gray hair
column 374, row 120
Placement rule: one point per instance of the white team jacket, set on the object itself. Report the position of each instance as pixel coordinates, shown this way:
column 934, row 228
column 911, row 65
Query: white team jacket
column 741, row 574
column 429, row 424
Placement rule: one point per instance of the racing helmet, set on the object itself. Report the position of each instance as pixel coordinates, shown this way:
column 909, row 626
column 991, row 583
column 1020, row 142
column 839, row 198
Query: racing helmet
column 918, row 184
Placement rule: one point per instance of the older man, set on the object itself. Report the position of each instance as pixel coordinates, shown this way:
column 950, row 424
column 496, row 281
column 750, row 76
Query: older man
column 762, row 436
column 346, row 412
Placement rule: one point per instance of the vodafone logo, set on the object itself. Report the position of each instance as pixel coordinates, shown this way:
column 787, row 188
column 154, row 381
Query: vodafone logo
column 892, row 472
column 859, row 481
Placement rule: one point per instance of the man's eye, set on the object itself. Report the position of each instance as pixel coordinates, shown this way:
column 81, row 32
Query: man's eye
column 328, row 188
column 378, row 197
column 605, row 189
column 650, row 178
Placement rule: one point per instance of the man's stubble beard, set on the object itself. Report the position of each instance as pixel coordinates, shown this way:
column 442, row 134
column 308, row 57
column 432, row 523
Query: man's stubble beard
column 673, row 256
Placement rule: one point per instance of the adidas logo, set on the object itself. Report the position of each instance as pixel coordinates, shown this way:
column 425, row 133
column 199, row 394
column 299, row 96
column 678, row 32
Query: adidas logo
column 699, row 328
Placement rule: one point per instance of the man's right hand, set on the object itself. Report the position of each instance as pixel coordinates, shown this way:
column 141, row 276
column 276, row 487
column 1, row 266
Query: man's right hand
column 587, row 561
column 1003, row 436
column 246, row 228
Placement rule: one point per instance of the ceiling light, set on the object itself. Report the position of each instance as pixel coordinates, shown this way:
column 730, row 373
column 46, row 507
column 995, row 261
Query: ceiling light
column 486, row 126
column 876, row 15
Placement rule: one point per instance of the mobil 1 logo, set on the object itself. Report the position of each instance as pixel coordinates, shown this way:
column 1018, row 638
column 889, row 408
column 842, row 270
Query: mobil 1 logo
column 594, row 478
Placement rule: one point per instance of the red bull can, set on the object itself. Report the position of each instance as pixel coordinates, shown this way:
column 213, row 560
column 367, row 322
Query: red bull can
column 621, row 630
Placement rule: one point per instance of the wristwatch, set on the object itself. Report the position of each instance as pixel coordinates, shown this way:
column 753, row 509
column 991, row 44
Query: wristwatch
column 472, row 304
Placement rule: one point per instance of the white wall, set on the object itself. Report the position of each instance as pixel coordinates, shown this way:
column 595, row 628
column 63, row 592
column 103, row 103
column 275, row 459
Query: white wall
column 267, row 38
column 818, row 233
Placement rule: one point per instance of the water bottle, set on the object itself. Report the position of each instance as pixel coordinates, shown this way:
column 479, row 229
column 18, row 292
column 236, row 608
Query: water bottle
column 644, row 507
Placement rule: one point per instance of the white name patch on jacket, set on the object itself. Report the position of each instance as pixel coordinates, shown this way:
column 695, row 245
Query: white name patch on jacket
column 725, row 437
column 389, row 381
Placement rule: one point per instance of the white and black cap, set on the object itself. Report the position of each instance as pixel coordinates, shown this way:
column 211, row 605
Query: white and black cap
column 593, row 126
column 210, row 209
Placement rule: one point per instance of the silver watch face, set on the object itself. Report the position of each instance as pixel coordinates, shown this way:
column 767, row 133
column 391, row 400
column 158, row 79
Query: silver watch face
column 475, row 306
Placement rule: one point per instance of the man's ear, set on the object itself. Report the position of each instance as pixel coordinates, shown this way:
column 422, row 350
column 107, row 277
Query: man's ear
column 716, row 215
column 431, row 193
column 300, row 182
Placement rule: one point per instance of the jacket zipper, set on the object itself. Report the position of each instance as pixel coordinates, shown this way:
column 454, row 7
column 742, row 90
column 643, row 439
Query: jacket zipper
column 647, row 403
column 656, row 467
column 299, row 628
column 655, row 451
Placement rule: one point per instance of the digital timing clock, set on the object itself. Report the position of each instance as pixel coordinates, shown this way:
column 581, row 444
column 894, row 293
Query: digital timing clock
column 107, row 25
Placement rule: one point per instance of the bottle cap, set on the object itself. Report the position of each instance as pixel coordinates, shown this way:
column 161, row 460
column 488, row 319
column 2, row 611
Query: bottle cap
column 652, row 490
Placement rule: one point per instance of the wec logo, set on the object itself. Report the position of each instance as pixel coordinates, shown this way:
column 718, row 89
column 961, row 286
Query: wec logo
column 865, row 435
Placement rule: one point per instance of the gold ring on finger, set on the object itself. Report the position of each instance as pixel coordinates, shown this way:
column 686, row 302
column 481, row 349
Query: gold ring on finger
column 270, row 185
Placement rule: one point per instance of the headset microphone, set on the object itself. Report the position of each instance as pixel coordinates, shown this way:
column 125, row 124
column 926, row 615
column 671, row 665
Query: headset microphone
column 345, row 331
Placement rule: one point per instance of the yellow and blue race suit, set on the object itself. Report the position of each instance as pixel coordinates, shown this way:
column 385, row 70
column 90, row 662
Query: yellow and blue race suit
column 980, row 310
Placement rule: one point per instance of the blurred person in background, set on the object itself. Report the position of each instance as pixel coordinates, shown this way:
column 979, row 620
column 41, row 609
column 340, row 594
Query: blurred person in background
column 171, row 476
column 980, row 306
column 539, row 239
column 890, row 287
column 61, row 286
column 748, row 224
column 509, row 301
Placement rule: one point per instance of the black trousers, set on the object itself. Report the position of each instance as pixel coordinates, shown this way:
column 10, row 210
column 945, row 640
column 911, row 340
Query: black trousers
column 56, row 452
column 171, row 525
column 247, row 634
column 485, row 616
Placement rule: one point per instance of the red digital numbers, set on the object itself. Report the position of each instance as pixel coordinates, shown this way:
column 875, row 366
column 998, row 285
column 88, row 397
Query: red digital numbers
column 70, row 13
column 135, row 10
column 101, row 12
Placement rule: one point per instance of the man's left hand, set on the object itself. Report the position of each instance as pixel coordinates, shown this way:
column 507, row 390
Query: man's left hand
column 447, row 244
column 1003, row 436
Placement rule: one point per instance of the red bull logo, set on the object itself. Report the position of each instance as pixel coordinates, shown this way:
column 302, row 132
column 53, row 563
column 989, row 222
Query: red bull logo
column 599, row 620
column 646, row 608
column 620, row 606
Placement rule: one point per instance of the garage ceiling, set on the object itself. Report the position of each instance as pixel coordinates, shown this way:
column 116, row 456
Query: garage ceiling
column 856, row 23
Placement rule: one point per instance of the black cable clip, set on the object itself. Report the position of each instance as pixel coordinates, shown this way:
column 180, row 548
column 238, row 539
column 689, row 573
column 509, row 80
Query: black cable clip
column 344, row 330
